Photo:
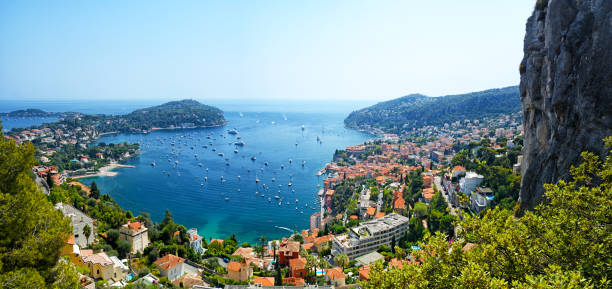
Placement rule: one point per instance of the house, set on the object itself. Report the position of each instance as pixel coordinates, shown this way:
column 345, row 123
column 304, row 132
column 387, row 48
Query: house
column 335, row 276
column 171, row 266
column 364, row 273
column 100, row 265
column 245, row 253
column 195, row 240
column 322, row 242
column 120, row 269
column 297, row 267
column 458, row 171
column 189, row 281
column 292, row 281
column 78, row 220
column 137, row 234
column 428, row 194
column 288, row 250
column 264, row 281
column 239, row 271
column 480, row 199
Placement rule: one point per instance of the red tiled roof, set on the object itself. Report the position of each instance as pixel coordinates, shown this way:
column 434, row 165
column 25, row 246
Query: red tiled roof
column 297, row 263
column 233, row 266
column 371, row 211
column 168, row 262
column 70, row 240
column 380, row 215
column 134, row 225
column 293, row 281
column 307, row 246
column 264, row 281
column 335, row 273
column 354, row 217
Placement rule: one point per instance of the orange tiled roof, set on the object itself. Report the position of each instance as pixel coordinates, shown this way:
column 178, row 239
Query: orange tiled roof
column 307, row 246
column 233, row 266
column 458, row 168
column 371, row 211
column 290, row 247
column 364, row 273
column 264, row 281
column 399, row 204
column 335, row 273
column 70, row 240
column 216, row 240
column 396, row 263
column 134, row 225
column 354, row 217
column 294, row 281
column 323, row 239
column 168, row 262
column 428, row 193
column 380, row 215
column 297, row 263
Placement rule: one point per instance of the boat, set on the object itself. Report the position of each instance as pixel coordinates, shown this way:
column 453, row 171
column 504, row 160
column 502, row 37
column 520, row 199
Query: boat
column 276, row 197
column 238, row 176
column 226, row 198
column 205, row 179
column 214, row 149
column 290, row 184
column 235, row 151
column 220, row 154
column 290, row 161
column 303, row 127
column 227, row 164
column 256, row 180
column 282, row 166
column 266, row 164
column 240, row 143
column 232, row 131
column 153, row 163
column 253, row 158
column 303, row 163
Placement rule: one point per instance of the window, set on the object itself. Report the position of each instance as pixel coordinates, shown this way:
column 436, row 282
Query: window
column 98, row 271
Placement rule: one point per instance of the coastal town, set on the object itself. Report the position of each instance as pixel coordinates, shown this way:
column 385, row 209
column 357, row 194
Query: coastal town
column 378, row 200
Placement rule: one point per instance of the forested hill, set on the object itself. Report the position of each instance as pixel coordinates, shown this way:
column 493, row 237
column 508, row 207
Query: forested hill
column 31, row 112
column 184, row 113
column 174, row 114
column 417, row 110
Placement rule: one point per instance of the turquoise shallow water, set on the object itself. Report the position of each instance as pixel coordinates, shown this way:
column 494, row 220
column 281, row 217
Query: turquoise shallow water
column 196, row 202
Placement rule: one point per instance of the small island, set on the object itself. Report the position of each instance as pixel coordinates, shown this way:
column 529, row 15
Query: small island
column 70, row 144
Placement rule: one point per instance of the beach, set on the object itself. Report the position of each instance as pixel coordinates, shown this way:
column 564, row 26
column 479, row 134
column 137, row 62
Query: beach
column 105, row 171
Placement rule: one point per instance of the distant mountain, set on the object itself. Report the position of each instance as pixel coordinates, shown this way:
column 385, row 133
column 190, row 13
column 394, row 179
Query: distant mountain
column 417, row 110
column 183, row 113
column 30, row 112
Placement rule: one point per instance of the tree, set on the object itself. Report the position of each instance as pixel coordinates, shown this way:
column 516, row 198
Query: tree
column 564, row 243
column 263, row 245
column 95, row 192
column 87, row 232
column 123, row 247
column 341, row 260
column 31, row 230
column 50, row 181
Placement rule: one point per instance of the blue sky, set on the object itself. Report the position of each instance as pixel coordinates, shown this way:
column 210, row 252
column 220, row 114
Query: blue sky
column 323, row 50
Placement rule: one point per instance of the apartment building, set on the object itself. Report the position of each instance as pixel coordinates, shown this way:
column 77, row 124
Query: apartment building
column 370, row 235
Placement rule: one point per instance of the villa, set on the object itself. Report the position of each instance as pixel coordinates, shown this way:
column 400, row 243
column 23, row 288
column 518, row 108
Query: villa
column 135, row 233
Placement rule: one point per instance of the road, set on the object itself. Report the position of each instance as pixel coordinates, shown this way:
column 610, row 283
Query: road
column 445, row 194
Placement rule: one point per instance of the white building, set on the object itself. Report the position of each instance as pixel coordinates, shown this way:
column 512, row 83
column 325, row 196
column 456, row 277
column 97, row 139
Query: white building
column 78, row 220
column 195, row 240
column 370, row 235
column 469, row 183
column 480, row 199
column 137, row 234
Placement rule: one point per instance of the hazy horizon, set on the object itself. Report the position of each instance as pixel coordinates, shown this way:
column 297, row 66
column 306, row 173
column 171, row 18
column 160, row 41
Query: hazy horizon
column 366, row 51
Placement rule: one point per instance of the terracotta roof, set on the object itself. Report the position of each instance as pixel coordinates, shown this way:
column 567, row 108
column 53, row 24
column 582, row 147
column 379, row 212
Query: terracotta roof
column 335, row 273
column 244, row 252
column 468, row 246
column 233, row 266
column 396, row 263
column 100, row 258
column 290, row 247
column 399, row 203
column 86, row 252
column 216, row 240
column 354, row 217
column 307, row 246
column 297, row 263
column 70, row 240
column 134, row 225
column 264, row 281
column 364, row 273
column 458, row 168
column 323, row 239
column 428, row 193
column 371, row 211
column 168, row 262
column 380, row 215
column 294, row 281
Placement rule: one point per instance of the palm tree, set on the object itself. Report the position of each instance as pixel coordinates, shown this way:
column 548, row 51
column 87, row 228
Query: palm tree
column 263, row 247
column 87, row 232
column 311, row 263
column 341, row 260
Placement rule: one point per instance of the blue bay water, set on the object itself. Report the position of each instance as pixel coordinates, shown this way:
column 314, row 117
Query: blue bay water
column 270, row 136
column 196, row 202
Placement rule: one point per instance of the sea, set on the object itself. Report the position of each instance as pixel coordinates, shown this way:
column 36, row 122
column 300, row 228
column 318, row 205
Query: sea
column 260, row 181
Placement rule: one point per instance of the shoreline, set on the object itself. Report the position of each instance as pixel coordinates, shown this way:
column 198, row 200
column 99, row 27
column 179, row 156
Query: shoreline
column 105, row 171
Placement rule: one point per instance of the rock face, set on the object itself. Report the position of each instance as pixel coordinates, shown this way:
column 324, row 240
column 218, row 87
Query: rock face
column 566, row 89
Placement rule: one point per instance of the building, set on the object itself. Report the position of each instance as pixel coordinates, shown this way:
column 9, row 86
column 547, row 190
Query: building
column 335, row 276
column 297, row 267
column 369, row 258
column 315, row 221
column 120, row 269
column 171, row 266
column 136, row 233
column 480, row 199
column 469, row 183
column 239, row 271
column 100, row 265
column 195, row 240
column 288, row 250
column 78, row 220
column 264, row 281
column 370, row 235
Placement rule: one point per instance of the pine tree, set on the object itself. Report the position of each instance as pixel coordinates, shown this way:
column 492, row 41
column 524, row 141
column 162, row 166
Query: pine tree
column 95, row 192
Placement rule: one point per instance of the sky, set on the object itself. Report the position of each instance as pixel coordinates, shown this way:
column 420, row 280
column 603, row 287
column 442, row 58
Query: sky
column 276, row 50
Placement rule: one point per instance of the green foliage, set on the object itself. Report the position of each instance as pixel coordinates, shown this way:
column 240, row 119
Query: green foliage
column 564, row 243
column 31, row 230
column 416, row 110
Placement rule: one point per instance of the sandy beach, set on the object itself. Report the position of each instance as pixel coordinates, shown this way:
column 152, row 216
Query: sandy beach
column 105, row 171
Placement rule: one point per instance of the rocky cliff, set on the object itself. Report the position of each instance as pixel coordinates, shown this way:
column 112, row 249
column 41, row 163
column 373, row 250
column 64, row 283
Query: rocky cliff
column 566, row 89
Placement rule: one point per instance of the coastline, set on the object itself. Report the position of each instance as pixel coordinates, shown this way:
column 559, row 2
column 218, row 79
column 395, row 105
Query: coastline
column 105, row 171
